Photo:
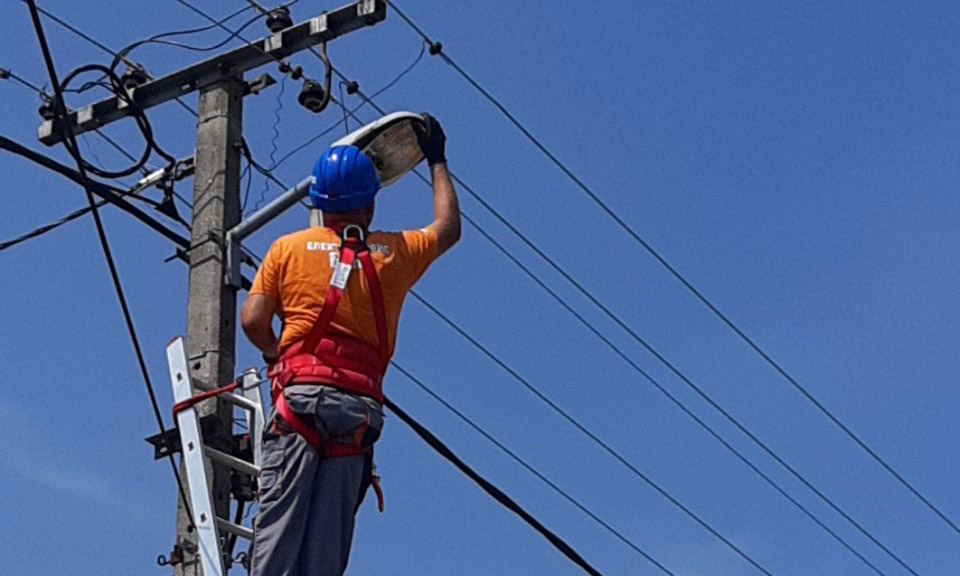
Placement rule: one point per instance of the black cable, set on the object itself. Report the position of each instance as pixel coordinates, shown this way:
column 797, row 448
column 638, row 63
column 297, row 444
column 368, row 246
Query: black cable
column 498, row 494
column 248, row 174
column 273, row 141
column 350, row 113
column 8, row 74
column 48, row 227
column 161, row 38
column 137, row 113
column 662, row 389
column 676, row 274
column 633, row 334
column 107, row 192
column 586, row 431
column 106, row 49
column 295, row 73
column 71, row 145
column 346, row 121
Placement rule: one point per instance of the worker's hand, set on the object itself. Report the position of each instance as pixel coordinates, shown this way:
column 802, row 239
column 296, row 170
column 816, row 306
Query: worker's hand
column 432, row 140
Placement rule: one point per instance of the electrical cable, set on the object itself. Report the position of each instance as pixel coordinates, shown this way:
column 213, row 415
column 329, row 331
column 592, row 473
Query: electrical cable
column 498, row 494
column 633, row 334
column 662, row 389
column 137, row 113
column 71, row 145
column 106, row 49
column 6, row 73
column 129, row 62
column 111, row 194
column 48, row 227
column 352, row 112
column 248, row 174
column 273, row 141
column 586, row 431
column 676, row 274
column 161, row 38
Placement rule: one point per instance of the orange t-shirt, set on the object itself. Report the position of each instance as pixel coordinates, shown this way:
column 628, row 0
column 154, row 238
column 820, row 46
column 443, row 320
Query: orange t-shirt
column 296, row 273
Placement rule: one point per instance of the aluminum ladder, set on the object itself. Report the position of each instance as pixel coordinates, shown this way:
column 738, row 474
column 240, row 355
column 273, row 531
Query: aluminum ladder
column 195, row 454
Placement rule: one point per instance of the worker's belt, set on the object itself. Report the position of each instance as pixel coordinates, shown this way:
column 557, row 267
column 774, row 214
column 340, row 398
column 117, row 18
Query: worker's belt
column 332, row 360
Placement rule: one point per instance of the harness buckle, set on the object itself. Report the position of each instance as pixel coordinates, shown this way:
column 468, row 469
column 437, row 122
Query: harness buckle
column 348, row 228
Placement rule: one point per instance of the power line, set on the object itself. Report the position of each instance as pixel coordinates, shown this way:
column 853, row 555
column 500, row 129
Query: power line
column 636, row 367
column 161, row 38
column 106, row 49
column 675, row 273
column 8, row 74
column 70, row 143
column 48, row 227
column 653, row 351
column 498, row 494
column 109, row 193
column 350, row 113
column 583, row 429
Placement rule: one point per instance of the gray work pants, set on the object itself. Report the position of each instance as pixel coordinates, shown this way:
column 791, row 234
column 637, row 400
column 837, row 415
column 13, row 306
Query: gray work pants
column 307, row 503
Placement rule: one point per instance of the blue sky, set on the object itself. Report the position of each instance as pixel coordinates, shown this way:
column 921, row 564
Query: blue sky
column 796, row 162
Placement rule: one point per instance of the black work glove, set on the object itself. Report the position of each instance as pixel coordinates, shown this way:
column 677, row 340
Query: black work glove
column 432, row 140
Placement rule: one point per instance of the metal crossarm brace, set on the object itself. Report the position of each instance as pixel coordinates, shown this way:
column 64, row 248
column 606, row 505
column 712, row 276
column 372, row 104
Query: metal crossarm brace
column 277, row 46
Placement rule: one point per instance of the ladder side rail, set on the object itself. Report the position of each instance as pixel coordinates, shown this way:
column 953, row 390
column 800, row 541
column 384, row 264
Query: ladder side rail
column 194, row 461
column 255, row 420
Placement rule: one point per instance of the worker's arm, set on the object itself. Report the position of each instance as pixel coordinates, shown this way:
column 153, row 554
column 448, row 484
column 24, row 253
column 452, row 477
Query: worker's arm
column 256, row 317
column 446, row 208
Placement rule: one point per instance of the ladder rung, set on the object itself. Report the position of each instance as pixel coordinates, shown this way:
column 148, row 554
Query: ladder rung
column 232, row 461
column 240, row 401
column 236, row 529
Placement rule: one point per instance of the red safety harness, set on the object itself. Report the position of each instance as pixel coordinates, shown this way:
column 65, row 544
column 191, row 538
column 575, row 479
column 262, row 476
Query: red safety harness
column 335, row 360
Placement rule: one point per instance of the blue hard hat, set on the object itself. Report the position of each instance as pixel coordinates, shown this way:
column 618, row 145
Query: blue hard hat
column 344, row 180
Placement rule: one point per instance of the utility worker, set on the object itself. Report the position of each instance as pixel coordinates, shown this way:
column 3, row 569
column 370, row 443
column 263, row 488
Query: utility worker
column 339, row 326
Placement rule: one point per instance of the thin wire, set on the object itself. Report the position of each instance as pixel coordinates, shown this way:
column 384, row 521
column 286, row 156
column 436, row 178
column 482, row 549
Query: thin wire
column 161, row 38
column 352, row 112
column 48, row 227
column 8, row 74
column 553, row 486
column 248, row 174
column 656, row 354
column 680, row 277
column 234, row 33
column 663, row 390
column 586, row 431
column 71, row 145
column 346, row 121
column 106, row 49
column 273, row 141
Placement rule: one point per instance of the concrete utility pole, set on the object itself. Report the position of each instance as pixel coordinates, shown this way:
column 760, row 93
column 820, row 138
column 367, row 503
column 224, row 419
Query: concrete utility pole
column 212, row 304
